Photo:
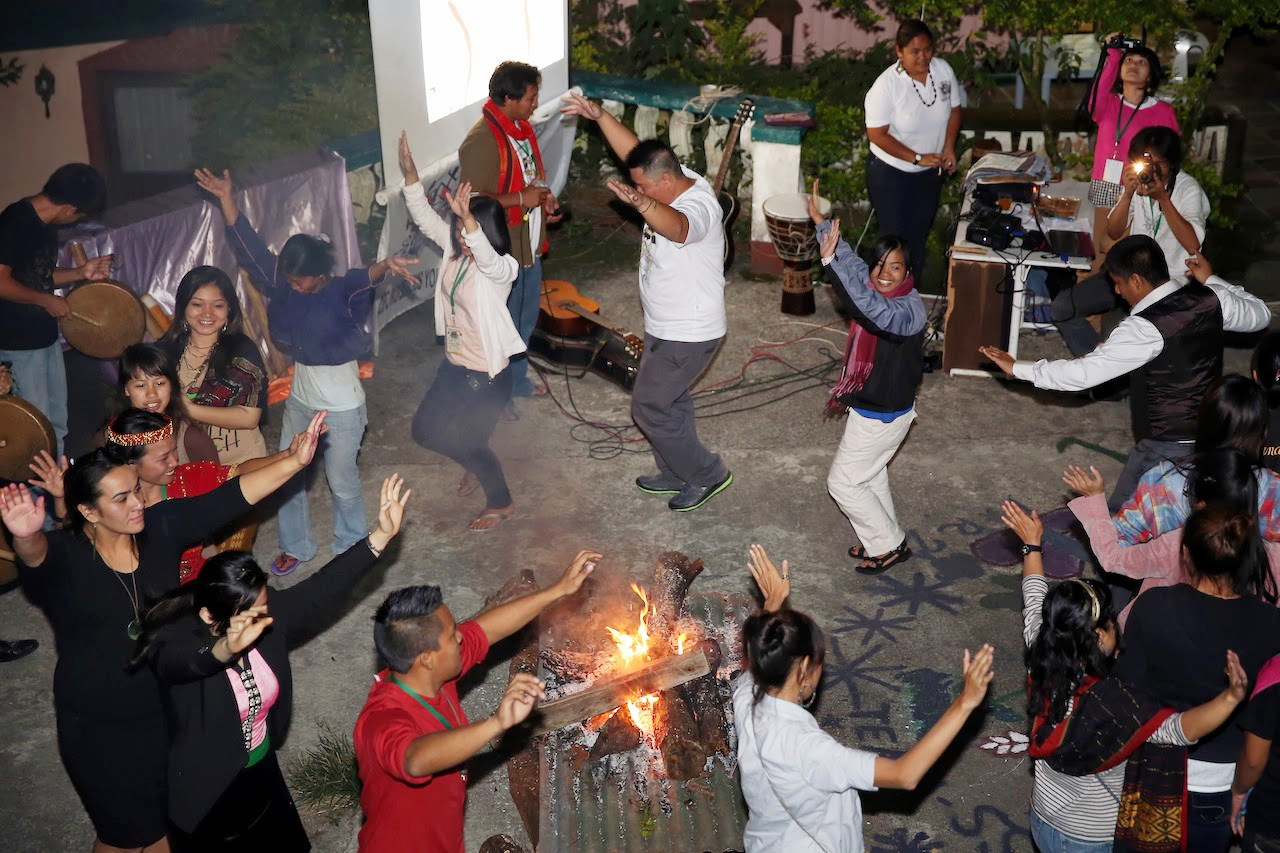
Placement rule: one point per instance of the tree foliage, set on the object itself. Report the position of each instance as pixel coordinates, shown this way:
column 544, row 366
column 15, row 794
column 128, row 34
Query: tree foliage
column 299, row 74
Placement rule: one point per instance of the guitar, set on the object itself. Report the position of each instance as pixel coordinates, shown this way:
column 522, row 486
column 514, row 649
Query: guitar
column 571, row 332
column 729, row 201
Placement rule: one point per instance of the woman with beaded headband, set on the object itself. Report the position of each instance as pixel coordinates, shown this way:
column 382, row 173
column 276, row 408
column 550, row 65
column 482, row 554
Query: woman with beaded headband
column 1098, row 740
column 93, row 580
column 224, row 380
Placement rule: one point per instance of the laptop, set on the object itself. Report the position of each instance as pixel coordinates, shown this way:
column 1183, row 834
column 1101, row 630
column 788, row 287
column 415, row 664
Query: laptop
column 1074, row 244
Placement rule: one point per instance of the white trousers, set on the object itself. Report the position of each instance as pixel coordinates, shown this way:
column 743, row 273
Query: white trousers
column 859, row 479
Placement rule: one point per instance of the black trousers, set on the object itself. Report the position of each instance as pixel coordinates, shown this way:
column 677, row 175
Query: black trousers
column 905, row 204
column 456, row 419
column 256, row 812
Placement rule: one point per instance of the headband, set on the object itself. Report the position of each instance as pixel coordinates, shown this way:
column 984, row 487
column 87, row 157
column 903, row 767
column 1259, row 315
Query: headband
column 1093, row 599
column 137, row 439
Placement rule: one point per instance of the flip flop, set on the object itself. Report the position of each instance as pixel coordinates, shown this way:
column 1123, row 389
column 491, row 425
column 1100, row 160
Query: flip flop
column 878, row 565
column 540, row 390
column 509, row 414
column 283, row 564
column 468, row 484
column 488, row 514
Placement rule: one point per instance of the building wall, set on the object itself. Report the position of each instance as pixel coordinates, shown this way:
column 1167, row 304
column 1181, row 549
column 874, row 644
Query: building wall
column 31, row 146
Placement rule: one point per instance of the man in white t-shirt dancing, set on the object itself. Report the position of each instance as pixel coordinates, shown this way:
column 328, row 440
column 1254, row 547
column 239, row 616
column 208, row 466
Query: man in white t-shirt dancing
column 682, row 293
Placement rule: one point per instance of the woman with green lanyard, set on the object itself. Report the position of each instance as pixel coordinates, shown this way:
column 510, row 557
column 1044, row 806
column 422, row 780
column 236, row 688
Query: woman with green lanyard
column 1158, row 200
column 472, row 386
column 228, row 686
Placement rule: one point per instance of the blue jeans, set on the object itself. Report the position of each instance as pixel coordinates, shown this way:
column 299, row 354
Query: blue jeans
column 1051, row 840
column 526, row 293
column 339, row 446
column 40, row 378
column 1209, row 821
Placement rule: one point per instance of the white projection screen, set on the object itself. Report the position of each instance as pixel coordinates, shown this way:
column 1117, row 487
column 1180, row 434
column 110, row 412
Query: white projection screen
column 433, row 59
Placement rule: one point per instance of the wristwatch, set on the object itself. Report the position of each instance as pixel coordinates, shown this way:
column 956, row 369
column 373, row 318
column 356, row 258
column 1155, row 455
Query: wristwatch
column 916, row 159
column 1030, row 549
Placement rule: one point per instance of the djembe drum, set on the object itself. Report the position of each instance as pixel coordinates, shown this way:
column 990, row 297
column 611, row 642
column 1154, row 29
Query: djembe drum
column 106, row 316
column 796, row 241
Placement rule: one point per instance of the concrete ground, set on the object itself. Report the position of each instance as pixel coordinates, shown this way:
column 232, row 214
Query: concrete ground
column 895, row 641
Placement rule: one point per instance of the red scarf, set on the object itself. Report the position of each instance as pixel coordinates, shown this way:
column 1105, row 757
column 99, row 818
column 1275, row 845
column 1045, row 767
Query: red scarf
column 860, row 353
column 510, row 175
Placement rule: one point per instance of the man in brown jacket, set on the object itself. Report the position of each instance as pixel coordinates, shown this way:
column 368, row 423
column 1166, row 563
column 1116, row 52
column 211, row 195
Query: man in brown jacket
column 500, row 158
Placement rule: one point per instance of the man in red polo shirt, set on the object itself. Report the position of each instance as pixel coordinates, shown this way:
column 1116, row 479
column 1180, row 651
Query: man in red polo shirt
column 412, row 737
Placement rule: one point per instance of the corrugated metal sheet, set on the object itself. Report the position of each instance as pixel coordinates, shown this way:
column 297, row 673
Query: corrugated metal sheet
column 621, row 803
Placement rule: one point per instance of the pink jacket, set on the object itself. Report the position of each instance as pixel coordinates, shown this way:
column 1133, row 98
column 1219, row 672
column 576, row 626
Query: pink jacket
column 1107, row 108
column 1157, row 562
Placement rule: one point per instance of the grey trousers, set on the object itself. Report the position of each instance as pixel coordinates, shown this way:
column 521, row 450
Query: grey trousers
column 1146, row 454
column 1073, row 305
column 663, row 409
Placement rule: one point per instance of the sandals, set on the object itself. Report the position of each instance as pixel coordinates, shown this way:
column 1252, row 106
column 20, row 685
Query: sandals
column 283, row 565
column 467, row 484
column 501, row 516
column 877, row 565
column 858, row 552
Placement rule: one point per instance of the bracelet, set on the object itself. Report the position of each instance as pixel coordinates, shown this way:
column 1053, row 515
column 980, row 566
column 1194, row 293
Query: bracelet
column 377, row 552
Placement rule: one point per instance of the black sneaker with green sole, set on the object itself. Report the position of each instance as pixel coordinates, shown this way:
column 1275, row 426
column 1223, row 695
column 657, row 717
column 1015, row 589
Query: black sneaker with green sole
column 691, row 497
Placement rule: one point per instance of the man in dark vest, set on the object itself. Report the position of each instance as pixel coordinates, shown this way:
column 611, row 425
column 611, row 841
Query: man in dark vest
column 1170, row 345
column 500, row 157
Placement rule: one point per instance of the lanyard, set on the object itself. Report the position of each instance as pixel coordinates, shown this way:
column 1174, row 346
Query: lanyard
column 462, row 272
column 424, row 704
column 1151, row 217
column 1120, row 131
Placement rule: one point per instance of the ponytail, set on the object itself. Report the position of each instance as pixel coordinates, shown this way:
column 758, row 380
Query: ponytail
column 1066, row 650
column 773, row 643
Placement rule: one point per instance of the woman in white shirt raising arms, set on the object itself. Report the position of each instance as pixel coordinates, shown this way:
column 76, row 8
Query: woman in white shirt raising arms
column 801, row 785
column 912, row 117
column 471, row 388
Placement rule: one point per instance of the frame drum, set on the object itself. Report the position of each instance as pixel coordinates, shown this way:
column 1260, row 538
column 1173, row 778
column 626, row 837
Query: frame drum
column 24, row 432
column 106, row 317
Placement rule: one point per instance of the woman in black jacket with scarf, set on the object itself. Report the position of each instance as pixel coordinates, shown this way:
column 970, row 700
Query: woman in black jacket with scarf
column 228, row 687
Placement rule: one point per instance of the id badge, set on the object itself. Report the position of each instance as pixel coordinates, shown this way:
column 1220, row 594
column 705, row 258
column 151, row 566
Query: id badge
column 453, row 341
column 1112, row 172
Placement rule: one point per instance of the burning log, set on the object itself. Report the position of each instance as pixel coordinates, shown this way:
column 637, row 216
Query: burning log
column 703, row 698
column 660, row 675
column 671, row 578
column 683, row 753
column 618, row 734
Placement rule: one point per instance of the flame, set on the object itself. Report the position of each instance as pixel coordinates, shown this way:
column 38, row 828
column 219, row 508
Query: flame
column 680, row 644
column 641, row 711
column 633, row 646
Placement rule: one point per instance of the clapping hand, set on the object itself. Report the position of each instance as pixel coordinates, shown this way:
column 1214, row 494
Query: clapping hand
column 1030, row 528
column 523, row 692
column 48, row 474
column 1081, row 483
column 407, row 167
column 23, row 516
column 574, row 576
column 575, row 105
column 977, row 675
column 775, row 586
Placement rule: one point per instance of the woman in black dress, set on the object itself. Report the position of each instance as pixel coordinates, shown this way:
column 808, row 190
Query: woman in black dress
column 92, row 580
column 229, row 688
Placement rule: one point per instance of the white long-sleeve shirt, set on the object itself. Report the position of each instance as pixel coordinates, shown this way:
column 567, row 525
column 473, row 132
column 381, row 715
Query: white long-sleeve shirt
column 1136, row 342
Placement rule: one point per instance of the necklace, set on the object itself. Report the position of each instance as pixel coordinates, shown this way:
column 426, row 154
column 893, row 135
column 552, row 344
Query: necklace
column 917, row 89
column 134, row 629
column 197, row 370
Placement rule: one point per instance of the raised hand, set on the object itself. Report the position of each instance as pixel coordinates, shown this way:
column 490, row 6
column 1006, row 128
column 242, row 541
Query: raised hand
column 23, row 516
column 407, row 167
column 575, row 105
column 1030, row 528
column 460, row 200
column 1199, row 268
column 246, row 627
column 775, row 586
column 831, row 240
column 399, row 267
column 1081, row 483
column 219, row 187
column 977, row 675
column 522, row 693
column 632, row 196
column 574, row 576
column 815, row 205
column 48, row 474
column 391, row 506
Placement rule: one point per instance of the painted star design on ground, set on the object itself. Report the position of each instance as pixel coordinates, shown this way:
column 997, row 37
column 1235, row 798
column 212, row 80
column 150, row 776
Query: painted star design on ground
column 917, row 593
column 899, row 841
column 872, row 626
column 840, row 671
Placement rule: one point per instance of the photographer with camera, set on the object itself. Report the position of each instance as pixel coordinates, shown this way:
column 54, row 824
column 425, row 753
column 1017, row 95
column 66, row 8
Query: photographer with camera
column 1170, row 207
